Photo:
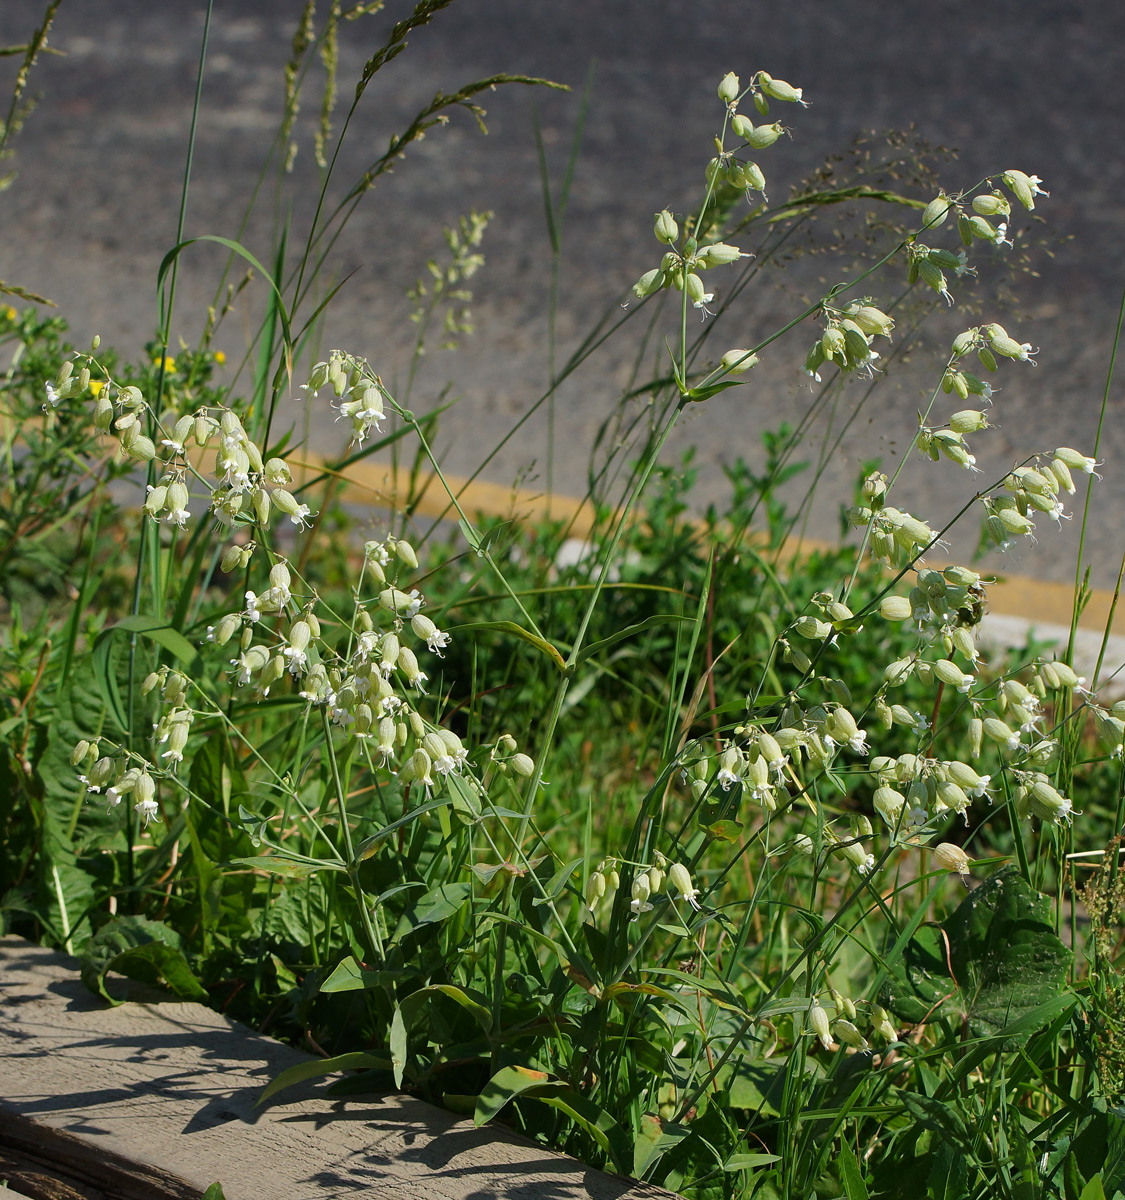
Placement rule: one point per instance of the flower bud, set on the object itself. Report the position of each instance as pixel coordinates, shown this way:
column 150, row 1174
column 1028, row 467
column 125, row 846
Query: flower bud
column 1048, row 804
column 778, row 89
column 276, row 471
column 738, row 361
column 812, row 628
column 728, row 88
column 935, row 213
column 818, row 1023
column 404, row 552
column 850, row 1035
column 895, row 608
column 761, row 136
column 679, row 881
column 888, row 803
column 522, row 764
column 951, row 858
column 649, row 282
column 1024, row 187
column 803, row 844
column 665, row 228
column 1074, row 460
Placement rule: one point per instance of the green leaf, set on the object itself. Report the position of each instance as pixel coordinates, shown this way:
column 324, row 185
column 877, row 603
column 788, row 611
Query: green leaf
column 214, row 1192
column 949, row 1176
column 437, row 905
column 315, row 1068
column 1093, row 1190
column 712, row 389
column 155, row 629
column 506, row 1085
column 510, row 1082
column 748, row 1162
column 628, row 632
column 291, row 868
column 1006, row 959
column 851, row 1175
column 655, row 1139
column 398, row 1046
column 510, row 627
column 558, row 882
column 464, row 797
column 140, row 949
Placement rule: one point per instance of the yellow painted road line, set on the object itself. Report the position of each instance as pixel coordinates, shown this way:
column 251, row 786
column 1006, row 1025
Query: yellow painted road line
column 1036, row 600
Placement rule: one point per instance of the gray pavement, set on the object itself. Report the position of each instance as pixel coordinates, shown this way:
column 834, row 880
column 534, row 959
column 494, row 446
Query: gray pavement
column 1032, row 84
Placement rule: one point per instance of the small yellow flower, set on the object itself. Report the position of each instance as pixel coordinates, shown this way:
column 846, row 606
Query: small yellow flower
column 96, row 386
column 8, row 313
column 220, row 357
column 168, row 363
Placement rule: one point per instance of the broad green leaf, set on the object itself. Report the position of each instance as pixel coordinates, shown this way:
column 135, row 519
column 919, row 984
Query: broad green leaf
column 558, row 882
column 316, row 1067
column 505, row 1085
column 1094, row 1190
column 749, row 1162
column 464, row 797
column 1006, row 960
column 214, row 1192
column 140, row 949
column 155, row 629
column 291, row 868
column 510, row 1082
column 655, row 1139
column 349, row 976
column 949, row 1176
column 473, row 1003
column 437, row 905
column 851, row 1176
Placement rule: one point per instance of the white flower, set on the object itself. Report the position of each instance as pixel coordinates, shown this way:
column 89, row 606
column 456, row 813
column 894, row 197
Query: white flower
column 679, row 880
column 146, row 810
column 53, row 396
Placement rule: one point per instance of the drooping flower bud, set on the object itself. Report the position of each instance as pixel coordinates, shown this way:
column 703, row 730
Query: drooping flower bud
column 665, row 228
column 728, row 88
column 818, row 1023
column 951, row 857
column 679, row 881
column 778, row 89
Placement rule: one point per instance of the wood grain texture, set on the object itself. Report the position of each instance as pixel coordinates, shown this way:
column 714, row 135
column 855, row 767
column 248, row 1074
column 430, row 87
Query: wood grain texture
column 168, row 1090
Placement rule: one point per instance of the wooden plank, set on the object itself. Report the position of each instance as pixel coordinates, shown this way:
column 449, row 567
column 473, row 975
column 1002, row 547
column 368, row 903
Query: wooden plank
column 167, row 1091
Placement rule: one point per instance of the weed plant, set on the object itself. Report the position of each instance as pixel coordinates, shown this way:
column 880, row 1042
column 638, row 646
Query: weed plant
column 740, row 873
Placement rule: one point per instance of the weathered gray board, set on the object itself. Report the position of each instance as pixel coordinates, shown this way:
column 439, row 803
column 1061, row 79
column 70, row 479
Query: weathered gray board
column 156, row 1100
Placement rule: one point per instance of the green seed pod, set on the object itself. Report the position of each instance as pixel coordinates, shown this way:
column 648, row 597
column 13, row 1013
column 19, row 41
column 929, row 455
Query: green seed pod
column 945, row 259
column 968, row 420
column 665, row 227
column 936, row 212
column 931, row 276
column 778, row 89
column 763, row 136
column 649, row 282
column 991, row 204
column 728, row 88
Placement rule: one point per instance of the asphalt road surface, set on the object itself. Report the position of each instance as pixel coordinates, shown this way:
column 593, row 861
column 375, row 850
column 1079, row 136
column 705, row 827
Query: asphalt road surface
column 1033, row 84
